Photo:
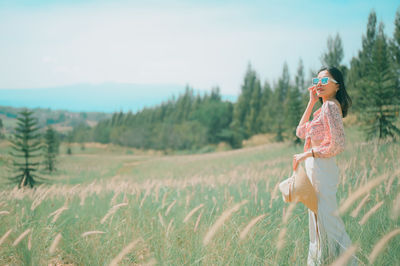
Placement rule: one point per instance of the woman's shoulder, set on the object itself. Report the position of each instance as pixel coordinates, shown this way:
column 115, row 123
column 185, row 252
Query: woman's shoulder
column 332, row 104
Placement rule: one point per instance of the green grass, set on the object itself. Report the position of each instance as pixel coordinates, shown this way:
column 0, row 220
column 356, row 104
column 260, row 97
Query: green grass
column 91, row 181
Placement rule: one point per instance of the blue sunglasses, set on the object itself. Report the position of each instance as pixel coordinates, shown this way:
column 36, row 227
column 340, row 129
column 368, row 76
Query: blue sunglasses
column 324, row 80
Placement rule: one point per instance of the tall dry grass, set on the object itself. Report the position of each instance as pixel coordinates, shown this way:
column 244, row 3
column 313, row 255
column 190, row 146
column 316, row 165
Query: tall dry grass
column 396, row 207
column 54, row 244
column 193, row 211
column 21, row 236
column 345, row 257
column 112, row 211
column 381, row 244
column 198, row 221
column 355, row 212
column 281, row 238
column 220, row 221
column 360, row 192
column 170, row 207
column 124, row 252
column 56, row 214
column 181, row 189
column 250, row 225
column 366, row 216
column 4, row 237
column 88, row 233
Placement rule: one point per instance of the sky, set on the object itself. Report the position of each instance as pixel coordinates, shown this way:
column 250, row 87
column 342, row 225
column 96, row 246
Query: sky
column 167, row 43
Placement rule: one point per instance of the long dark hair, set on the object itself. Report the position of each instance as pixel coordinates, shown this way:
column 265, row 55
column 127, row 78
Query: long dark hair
column 341, row 95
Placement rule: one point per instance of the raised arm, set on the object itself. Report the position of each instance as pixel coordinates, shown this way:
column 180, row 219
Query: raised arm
column 301, row 128
column 334, row 140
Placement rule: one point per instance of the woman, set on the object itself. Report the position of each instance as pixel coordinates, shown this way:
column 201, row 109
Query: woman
column 324, row 139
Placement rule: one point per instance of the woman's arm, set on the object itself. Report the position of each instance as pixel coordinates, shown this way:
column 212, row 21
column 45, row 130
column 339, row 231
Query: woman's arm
column 334, row 140
column 301, row 128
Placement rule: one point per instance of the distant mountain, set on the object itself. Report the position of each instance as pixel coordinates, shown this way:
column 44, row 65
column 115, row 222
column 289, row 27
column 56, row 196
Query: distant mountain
column 105, row 97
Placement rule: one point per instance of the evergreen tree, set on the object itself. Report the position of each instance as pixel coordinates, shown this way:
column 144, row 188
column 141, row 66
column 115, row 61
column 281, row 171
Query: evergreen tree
column 69, row 142
column 379, row 103
column 359, row 66
column 294, row 105
column 215, row 94
column 301, row 84
column 213, row 115
column 299, row 79
column 265, row 119
column 25, row 147
column 184, row 105
column 395, row 42
column 1, row 129
column 242, row 107
column 51, row 149
column 280, row 94
column 395, row 51
column 334, row 55
column 251, row 125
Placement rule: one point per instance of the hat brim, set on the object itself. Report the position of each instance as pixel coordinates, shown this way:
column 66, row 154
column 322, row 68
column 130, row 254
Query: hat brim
column 304, row 191
column 298, row 188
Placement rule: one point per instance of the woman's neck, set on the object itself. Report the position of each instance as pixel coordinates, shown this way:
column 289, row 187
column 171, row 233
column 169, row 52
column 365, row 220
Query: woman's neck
column 328, row 98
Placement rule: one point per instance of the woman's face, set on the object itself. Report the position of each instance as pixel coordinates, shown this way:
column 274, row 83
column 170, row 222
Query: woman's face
column 329, row 90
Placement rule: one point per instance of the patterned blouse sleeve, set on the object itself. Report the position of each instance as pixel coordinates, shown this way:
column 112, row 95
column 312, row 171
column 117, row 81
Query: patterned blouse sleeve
column 334, row 140
column 301, row 130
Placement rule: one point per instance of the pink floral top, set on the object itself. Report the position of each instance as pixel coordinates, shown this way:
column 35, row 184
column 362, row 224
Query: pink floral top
column 327, row 125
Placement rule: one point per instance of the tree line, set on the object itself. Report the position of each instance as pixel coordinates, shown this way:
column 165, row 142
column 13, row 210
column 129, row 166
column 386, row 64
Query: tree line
column 189, row 122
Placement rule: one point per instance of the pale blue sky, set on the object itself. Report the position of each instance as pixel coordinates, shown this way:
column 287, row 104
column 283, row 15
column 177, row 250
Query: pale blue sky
column 201, row 43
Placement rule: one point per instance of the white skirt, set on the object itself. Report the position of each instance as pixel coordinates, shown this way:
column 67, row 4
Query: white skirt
column 328, row 237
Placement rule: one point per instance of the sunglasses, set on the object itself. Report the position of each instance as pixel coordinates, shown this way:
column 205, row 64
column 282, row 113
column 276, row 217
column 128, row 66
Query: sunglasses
column 324, row 80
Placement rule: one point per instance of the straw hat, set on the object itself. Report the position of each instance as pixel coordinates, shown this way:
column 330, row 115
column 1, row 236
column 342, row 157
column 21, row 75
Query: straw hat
column 298, row 188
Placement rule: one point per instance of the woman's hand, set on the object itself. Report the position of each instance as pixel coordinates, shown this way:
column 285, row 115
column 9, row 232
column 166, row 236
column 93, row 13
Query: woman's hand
column 297, row 158
column 313, row 94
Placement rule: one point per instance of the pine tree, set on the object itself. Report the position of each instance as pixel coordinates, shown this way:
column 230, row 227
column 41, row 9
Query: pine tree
column 379, row 103
column 395, row 50
column 280, row 94
column 294, row 104
column 1, row 129
column 292, row 113
column 69, row 142
column 215, row 94
column 251, row 125
column 334, row 55
column 184, row 105
column 265, row 119
column 301, row 84
column 25, row 147
column 51, row 149
column 299, row 79
column 359, row 66
column 395, row 42
column 242, row 107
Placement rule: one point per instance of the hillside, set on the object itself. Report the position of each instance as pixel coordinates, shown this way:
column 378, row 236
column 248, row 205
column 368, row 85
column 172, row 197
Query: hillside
column 62, row 120
column 212, row 209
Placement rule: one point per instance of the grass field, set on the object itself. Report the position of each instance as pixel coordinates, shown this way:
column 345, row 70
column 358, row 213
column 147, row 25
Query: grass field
column 113, row 205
